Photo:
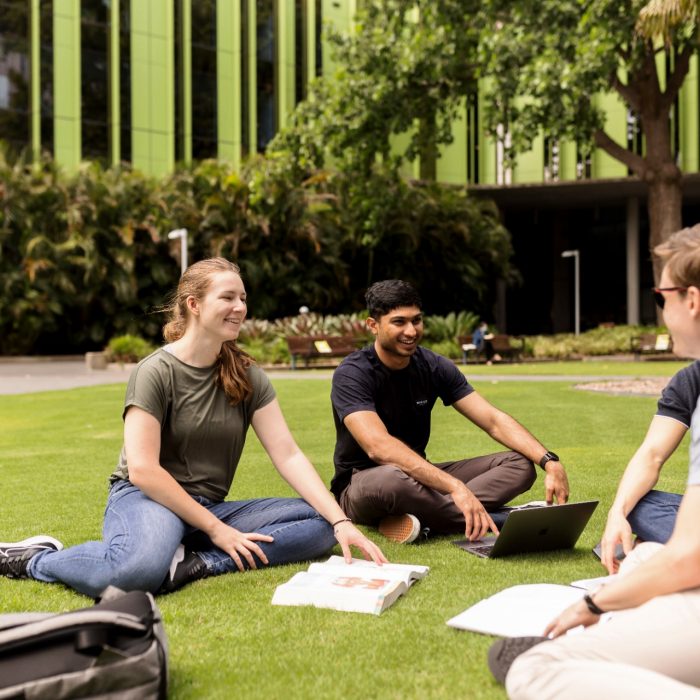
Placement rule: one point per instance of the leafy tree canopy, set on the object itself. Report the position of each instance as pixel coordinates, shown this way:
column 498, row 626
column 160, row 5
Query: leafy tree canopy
column 407, row 64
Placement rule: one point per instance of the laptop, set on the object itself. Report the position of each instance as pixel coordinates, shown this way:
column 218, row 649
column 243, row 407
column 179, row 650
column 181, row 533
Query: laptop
column 534, row 529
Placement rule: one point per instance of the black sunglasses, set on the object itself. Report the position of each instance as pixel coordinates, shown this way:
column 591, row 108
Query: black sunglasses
column 660, row 299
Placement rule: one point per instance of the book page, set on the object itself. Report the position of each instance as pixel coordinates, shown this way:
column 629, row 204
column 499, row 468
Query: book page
column 518, row 611
column 350, row 593
column 415, row 570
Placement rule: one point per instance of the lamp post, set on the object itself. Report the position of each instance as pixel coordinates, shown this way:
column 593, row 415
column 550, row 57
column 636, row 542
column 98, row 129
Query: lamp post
column 181, row 233
column 577, row 288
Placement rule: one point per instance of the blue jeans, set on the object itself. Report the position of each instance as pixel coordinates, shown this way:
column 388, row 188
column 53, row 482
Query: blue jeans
column 654, row 517
column 140, row 537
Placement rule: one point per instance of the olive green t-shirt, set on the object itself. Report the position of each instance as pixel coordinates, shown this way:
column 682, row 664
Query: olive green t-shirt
column 202, row 435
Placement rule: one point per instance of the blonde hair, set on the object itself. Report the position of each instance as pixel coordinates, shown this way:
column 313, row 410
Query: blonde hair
column 681, row 252
column 232, row 363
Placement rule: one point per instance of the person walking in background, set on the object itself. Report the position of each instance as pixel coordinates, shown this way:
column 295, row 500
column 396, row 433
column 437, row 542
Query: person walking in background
column 187, row 411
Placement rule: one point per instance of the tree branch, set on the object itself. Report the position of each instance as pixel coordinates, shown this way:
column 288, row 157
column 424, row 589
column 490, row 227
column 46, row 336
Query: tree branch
column 675, row 81
column 634, row 162
column 628, row 94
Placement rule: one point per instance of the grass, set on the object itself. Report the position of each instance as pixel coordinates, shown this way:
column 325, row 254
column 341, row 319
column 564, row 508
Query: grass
column 58, row 448
column 603, row 368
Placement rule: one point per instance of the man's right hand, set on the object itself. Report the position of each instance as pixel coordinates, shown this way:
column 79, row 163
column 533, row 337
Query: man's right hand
column 477, row 522
column 617, row 530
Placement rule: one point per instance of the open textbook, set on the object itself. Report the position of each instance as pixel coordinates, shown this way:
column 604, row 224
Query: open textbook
column 362, row 586
column 523, row 611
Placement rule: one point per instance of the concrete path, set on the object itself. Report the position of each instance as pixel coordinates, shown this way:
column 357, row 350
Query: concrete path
column 28, row 375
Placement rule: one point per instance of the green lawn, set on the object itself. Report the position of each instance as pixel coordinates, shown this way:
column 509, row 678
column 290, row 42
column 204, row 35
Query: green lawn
column 603, row 368
column 57, row 449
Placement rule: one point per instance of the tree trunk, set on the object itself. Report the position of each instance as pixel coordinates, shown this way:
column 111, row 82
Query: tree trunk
column 664, row 204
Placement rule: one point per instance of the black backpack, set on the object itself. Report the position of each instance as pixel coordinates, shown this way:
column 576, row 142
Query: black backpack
column 114, row 649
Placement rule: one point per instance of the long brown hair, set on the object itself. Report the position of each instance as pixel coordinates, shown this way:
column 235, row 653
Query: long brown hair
column 232, row 362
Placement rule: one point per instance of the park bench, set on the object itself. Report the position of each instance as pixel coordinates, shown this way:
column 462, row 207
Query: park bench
column 311, row 347
column 652, row 344
column 508, row 347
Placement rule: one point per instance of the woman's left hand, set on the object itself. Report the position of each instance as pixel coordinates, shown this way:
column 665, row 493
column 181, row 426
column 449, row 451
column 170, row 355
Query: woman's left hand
column 575, row 615
column 349, row 536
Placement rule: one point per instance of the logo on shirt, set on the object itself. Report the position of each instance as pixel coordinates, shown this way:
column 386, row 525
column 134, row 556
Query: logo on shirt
column 422, row 402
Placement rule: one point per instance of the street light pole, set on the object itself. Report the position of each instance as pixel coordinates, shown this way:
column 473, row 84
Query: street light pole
column 577, row 288
column 181, row 233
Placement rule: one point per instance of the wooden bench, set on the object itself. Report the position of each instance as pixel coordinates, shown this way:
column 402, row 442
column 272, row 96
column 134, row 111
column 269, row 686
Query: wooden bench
column 502, row 344
column 311, row 347
column 652, row 344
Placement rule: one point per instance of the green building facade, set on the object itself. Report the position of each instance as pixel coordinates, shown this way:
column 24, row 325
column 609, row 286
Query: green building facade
column 156, row 82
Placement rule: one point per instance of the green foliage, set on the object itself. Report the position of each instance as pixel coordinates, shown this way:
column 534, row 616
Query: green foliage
column 408, row 65
column 448, row 328
column 85, row 256
column 129, row 348
column 598, row 341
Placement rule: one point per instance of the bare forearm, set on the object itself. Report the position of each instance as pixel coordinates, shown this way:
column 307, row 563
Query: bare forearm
column 639, row 478
column 393, row 451
column 514, row 436
column 160, row 486
column 301, row 475
column 667, row 572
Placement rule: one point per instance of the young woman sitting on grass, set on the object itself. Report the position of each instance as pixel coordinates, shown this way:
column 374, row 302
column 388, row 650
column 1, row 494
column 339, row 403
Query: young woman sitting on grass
column 187, row 411
column 649, row 648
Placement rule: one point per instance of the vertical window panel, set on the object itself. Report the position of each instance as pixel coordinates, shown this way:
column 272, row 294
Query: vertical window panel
column 14, row 75
column 301, row 38
column 266, row 73
column 125, row 78
column 46, row 77
column 244, row 82
column 94, row 79
column 204, row 87
column 179, row 85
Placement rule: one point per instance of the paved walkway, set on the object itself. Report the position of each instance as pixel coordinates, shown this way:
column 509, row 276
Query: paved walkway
column 27, row 375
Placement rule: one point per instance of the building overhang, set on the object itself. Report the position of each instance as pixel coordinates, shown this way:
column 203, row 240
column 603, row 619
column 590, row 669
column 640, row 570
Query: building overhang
column 578, row 193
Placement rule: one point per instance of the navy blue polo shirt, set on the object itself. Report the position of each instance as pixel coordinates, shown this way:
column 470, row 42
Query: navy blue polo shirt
column 403, row 399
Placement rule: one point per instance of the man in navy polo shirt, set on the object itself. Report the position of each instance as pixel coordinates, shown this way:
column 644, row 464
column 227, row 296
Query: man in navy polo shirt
column 382, row 400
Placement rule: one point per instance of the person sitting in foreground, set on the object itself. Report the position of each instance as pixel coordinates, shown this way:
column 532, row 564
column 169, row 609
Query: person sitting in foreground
column 637, row 509
column 648, row 649
column 382, row 400
column 187, row 411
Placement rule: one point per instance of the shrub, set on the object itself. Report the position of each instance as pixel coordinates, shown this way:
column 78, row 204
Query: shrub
column 598, row 341
column 128, row 348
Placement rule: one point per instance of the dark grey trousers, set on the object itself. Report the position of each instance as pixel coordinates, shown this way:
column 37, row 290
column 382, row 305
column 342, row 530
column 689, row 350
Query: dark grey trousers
column 386, row 490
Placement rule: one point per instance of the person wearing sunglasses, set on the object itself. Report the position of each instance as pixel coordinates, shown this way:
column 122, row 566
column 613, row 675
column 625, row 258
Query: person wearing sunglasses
column 639, row 509
column 648, row 646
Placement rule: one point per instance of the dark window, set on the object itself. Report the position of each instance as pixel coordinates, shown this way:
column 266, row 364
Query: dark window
column 473, row 138
column 179, row 76
column 301, row 68
column 94, row 63
column 204, row 88
column 319, row 38
column 245, row 84
column 266, row 76
column 14, row 74
column 46, row 78
column 125, row 79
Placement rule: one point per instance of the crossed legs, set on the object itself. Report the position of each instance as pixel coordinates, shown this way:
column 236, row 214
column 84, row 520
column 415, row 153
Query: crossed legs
column 385, row 490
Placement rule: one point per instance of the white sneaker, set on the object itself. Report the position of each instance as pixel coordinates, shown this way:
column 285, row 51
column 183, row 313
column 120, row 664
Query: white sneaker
column 400, row 528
